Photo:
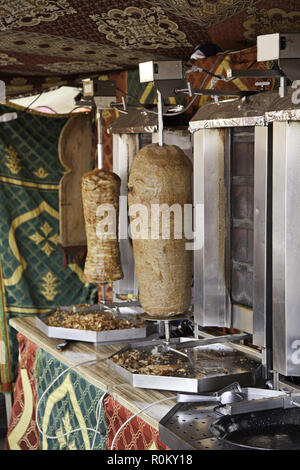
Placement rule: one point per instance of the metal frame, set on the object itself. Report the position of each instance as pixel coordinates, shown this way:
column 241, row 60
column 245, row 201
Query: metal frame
column 125, row 146
column 286, row 248
column 275, row 318
column 211, row 304
column 262, row 299
column 213, row 307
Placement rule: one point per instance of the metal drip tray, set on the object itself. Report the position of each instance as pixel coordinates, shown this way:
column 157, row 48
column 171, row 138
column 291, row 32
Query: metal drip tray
column 263, row 430
column 216, row 366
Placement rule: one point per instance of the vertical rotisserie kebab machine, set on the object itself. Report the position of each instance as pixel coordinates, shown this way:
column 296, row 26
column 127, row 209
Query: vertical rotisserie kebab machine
column 247, row 271
column 244, row 250
column 130, row 133
column 246, row 186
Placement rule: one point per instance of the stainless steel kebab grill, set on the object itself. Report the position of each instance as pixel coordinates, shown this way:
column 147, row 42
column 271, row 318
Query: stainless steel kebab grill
column 246, row 256
column 246, row 175
column 128, row 142
column 243, row 278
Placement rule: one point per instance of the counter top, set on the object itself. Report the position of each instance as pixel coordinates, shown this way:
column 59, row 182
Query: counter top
column 98, row 374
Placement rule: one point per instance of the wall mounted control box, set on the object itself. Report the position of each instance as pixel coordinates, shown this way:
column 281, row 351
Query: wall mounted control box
column 278, row 46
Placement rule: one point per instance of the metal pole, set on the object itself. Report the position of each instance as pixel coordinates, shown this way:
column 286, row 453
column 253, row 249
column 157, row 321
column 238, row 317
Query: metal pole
column 100, row 141
column 8, row 406
column 160, row 119
column 100, row 166
column 283, row 87
column 167, row 331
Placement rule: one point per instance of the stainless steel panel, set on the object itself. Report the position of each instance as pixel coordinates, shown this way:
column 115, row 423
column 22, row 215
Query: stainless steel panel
column 284, row 115
column 215, row 229
column 255, row 111
column 230, row 122
column 185, row 426
column 279, row 244
column 212, row 160
column 242, row 318
column 286, row 248
column 125, row 146
column 262, row 318
column 211, row 293
column 199, row 313
column 240, row 214
column 181, row 138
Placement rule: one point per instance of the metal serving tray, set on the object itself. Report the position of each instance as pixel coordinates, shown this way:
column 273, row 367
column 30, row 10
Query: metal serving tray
column 208, row 374
column 93, row 336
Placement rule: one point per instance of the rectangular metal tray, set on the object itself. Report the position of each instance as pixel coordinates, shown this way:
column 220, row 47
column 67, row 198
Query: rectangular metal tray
column 93, row 336
column 241, row 368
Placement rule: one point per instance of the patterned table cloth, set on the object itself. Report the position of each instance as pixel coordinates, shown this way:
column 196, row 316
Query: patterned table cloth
column 69, row 404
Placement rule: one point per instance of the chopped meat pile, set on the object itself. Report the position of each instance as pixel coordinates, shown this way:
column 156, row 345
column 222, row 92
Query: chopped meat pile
column 90, row 321
column 141, row 362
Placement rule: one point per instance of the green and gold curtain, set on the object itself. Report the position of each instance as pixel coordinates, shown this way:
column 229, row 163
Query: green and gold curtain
column 33, row 279
column 71, row 403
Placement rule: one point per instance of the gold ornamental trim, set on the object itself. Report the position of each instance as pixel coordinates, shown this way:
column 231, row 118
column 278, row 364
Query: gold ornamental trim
column 29, row 184
column 30, row 311
column 63, row 390
column 19, row 430
column 16, row 276
column 49, row 284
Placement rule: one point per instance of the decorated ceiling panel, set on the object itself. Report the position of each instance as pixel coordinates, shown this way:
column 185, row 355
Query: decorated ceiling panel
column 65, row 37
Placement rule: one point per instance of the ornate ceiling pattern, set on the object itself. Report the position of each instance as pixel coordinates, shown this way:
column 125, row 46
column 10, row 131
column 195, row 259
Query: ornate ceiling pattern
column 48, row 37
column 204, row 12
column 16, row 14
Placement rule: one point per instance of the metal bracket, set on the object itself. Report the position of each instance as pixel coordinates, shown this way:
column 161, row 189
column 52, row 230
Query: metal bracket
column 283, row 400
column 214, row 92
column 2, row 92
column 239, row 73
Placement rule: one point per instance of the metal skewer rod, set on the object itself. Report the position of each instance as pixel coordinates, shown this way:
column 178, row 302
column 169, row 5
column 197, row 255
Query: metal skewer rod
column 160, row 119
column 167, row 331
column 100, row 141
column 103, row 292
column 100, row 166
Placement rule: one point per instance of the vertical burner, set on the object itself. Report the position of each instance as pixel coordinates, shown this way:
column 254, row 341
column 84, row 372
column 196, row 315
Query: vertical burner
column 242, row 216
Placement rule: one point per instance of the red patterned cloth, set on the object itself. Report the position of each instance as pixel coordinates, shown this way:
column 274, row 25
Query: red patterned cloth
column 136, row 435
column 219, row 65
column 22, row 432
